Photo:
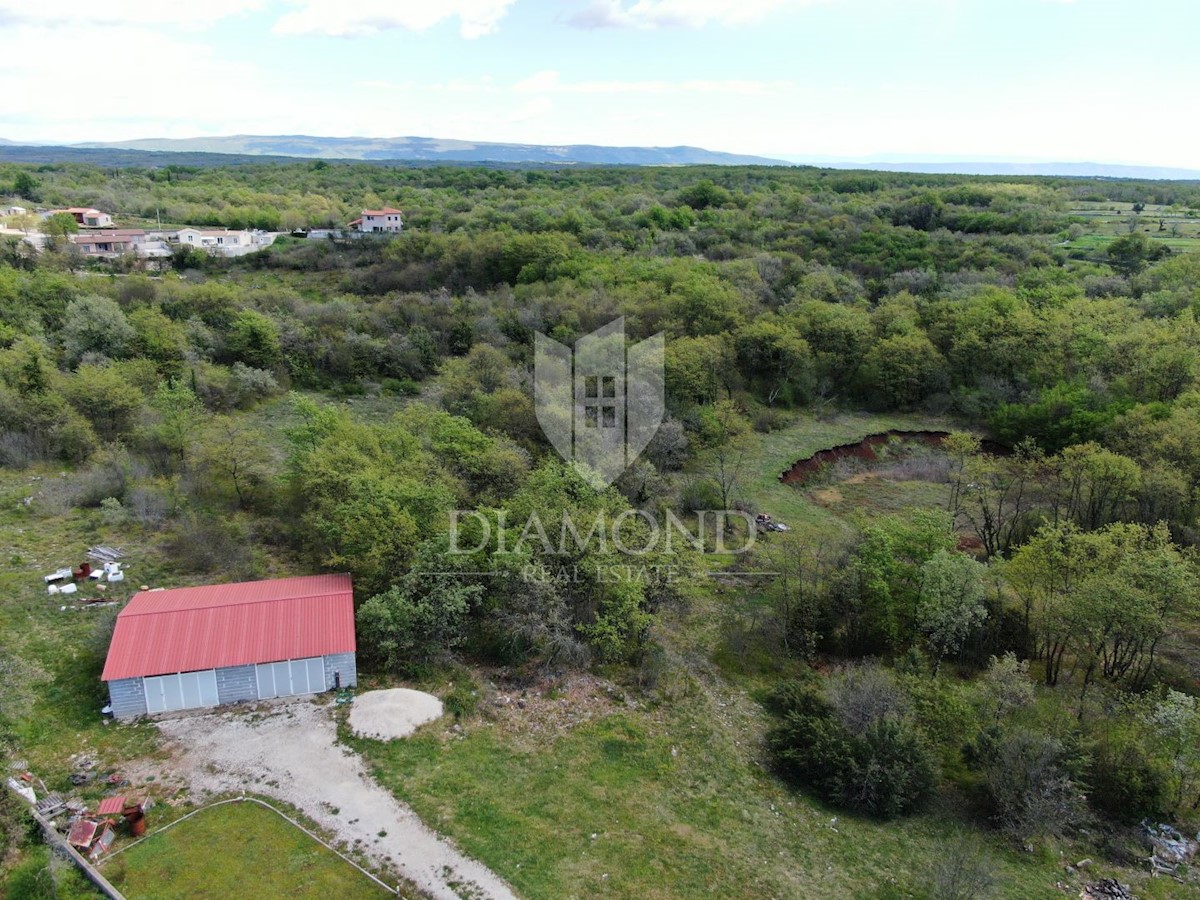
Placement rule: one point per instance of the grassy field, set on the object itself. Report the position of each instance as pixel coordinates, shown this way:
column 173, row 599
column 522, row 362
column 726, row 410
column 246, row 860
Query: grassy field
column 1103, row 222
column 52, row 656
column 573, row 797
column 236, row 850
column 774, row 453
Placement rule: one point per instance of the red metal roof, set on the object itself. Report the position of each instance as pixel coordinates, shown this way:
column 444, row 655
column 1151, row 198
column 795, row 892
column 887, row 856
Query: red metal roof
column 110, row 805
column 209, row 627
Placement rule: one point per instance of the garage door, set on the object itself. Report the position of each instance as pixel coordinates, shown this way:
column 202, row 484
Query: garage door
column 186, row 690
column 296, row 676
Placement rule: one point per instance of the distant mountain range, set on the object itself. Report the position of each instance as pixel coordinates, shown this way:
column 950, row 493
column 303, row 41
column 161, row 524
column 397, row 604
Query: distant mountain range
column 435, row 149
column 1060, row 169
column 423, row 151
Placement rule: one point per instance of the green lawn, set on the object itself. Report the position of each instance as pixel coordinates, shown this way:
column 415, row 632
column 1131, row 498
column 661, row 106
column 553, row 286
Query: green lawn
column 236, row 850
column 673, row 802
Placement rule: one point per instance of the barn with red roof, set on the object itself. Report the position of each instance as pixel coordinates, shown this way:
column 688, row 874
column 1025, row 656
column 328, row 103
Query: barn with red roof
column 206, row 646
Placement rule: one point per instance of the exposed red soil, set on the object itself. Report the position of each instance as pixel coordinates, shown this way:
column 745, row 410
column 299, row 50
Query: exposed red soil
column 865, row 450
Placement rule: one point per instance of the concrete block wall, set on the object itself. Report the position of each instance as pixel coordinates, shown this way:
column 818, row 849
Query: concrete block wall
column 344, row 663
column 127, row 697
column 236, row 683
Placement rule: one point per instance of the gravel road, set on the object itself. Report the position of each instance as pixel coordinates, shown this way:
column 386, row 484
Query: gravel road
column 289, row 751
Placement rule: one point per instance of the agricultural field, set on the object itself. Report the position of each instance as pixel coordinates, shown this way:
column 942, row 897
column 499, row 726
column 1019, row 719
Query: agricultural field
column 1175, row 226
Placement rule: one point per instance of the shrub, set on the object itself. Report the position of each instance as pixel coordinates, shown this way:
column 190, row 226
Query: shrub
column 249, row 385
column 1126, row 783
column 112, row 512
column 893, row 770
column 204, row 544
column 463, row 697
column 1031, row 780
column 961, row 873
column 887, row 770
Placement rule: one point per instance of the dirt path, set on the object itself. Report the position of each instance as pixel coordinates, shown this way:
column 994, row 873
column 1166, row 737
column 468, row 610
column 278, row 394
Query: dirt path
column 289, row 751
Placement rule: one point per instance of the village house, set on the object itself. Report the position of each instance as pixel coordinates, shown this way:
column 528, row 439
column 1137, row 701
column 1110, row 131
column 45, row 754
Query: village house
column 221, row 241
column 375, row 221
column 196, row 647
column 85, row 216
column 109, row 244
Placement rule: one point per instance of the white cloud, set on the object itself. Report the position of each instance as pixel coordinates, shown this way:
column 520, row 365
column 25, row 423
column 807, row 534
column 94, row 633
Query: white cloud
column 62, row 103
column 359, row 18
column 132, row 13
column 679, row 13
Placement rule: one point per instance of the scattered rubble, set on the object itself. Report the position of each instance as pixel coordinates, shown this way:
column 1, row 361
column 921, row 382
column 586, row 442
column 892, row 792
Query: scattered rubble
column 1169, row 848
column 1107, row 889
column 67, row 580
column 91, row 832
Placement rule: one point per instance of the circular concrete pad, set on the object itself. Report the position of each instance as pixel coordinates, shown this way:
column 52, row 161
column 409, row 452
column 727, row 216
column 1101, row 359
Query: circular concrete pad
column 396, row 713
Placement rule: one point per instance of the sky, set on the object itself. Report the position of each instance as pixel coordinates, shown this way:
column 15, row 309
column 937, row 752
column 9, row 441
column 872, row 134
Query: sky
column 1114, row 81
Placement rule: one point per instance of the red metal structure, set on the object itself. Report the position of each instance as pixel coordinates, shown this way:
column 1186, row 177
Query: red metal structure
column 215, row 626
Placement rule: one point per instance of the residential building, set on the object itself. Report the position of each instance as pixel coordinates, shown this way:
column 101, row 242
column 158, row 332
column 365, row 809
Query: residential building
column 377, row 221
column 109, row 243
column 85, row 216
column 221, row 241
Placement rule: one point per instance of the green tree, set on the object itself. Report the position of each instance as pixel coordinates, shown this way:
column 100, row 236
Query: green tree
column 233, row 458
column 25, row 185
column 254, row 339
column 59, row 225
column 1129, row 253
column 951, row 603
column 775, row 357
column 106, row 399
column 96, row 324
column 419, row 621
column 902, row 370
column 704, row 194
column 1105, row 598
column 180, row 417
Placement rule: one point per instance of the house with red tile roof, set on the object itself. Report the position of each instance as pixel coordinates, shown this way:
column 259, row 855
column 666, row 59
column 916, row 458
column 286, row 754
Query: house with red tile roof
column 85, row 216
column 379, row 221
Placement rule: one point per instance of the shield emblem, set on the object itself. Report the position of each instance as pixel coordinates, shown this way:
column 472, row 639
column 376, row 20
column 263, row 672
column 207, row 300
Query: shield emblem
column 600, row 405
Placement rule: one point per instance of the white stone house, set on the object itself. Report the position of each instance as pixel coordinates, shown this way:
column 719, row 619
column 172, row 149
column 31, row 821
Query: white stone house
column 379, row 221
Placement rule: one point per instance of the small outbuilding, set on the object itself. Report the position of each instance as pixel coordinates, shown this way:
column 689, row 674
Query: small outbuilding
column 206, row 646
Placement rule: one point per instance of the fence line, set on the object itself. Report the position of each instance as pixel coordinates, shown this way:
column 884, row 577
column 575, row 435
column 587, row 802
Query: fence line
column 280, row 813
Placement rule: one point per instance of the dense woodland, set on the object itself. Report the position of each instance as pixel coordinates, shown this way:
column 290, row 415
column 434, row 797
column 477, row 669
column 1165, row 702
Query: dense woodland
column 1029, row 649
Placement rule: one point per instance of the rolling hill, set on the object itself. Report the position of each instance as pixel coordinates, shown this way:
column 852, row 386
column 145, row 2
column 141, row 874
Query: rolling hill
column 433, row 149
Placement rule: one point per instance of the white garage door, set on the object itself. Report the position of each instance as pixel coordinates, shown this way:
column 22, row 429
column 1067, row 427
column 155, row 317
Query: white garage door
column 186, row 690
column 296, row 676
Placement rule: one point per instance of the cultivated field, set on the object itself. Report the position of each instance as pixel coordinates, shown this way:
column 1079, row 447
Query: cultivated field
column 1103, row 221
